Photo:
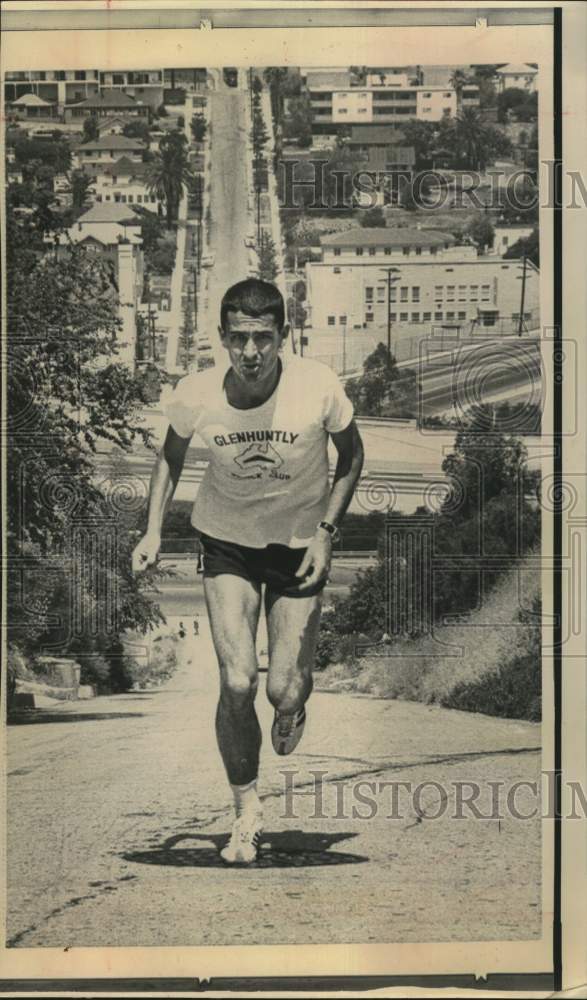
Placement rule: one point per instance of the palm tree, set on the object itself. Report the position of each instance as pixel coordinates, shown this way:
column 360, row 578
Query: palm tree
column 457, row 82
column 471, row 139
column 169, row 173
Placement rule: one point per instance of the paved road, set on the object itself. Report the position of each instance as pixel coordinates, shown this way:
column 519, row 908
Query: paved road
column 117, row 809
column 230, row 221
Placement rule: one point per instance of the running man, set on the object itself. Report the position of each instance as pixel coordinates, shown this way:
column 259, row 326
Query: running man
column 267, row 515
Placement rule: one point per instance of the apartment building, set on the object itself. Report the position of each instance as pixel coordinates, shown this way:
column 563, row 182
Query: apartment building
column 335, row 103
column 57, row 86
column 433, row 281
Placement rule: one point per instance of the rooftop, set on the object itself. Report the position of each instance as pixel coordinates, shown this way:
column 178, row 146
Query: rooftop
column 113, row 142
column 126, row 167
column 334, row 79
column 109, row 99
column 108, row 235
column 516, row 68
column 32, row 101
column 103, row 212
column 375, row 135
column 381, row 159
column 383, row 237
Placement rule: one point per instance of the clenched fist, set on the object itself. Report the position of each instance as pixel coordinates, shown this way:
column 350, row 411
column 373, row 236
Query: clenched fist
column 146, row 552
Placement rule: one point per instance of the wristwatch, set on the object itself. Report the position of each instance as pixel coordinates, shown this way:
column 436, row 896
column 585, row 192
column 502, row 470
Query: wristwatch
column 331, row 529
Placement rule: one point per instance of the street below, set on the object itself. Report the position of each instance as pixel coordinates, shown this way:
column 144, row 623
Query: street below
column 117, row 809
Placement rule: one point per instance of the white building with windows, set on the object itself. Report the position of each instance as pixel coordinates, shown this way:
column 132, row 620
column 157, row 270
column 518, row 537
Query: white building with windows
column 433, row 281
column 107, row 149
column 125, row 182
column 521, row 76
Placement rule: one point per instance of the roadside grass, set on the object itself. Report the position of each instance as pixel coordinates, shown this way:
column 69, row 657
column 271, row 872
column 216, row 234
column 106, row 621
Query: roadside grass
column 489, row 662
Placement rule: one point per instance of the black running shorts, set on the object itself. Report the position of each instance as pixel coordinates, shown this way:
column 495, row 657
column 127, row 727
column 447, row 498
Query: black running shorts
column 275, row 565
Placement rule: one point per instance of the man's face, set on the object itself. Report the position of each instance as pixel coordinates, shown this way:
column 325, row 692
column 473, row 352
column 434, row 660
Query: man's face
column 253, row 345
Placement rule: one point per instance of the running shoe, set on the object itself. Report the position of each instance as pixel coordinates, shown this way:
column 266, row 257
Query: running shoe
column 286, row 731
column 245, row 838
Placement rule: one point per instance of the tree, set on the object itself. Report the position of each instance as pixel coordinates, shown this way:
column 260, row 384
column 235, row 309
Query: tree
column 169, row 173
column 457, row 82
column 298, row 124
column 267, row 269
column 186, row 338
column 199, row 127
column 91, row 129
column 80, row 184
column 481, row 231
column 384, row 389
column 138, row 130
column 423, row 137
column 515, row 100
column 67, row 393
column 373, row 218
column 276, row 76
column 528, row 246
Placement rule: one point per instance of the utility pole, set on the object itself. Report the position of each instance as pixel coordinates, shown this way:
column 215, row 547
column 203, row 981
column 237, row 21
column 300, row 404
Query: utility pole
column 393, row 275
column 522, row 297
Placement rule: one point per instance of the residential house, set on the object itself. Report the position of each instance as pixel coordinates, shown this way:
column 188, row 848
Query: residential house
column 125, row 182
column 506, row 235
column 143, row 85
column 119, row 244
column 434, row 281
column 107, row 149
column 31, row 107
column 112, row 126
column 107, row 104
column 518, row 75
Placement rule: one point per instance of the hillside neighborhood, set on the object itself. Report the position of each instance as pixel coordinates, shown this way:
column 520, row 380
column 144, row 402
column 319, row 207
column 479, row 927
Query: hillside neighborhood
column 425, row 224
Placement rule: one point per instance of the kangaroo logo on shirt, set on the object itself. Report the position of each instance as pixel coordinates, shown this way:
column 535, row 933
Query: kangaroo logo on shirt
column 258, row 457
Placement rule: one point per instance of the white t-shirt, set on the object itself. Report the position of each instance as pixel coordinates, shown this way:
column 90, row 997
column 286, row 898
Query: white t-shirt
column 267, row 479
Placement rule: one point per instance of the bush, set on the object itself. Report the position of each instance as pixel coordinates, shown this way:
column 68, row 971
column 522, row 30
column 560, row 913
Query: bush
column 514, row 690
column 162, row 258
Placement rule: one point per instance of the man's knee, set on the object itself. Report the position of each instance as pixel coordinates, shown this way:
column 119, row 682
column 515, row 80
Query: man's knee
column 288, row 692
column 238, row 689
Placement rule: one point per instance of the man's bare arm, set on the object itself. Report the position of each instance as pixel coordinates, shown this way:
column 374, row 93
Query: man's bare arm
column 348, row 469
column 164, row 479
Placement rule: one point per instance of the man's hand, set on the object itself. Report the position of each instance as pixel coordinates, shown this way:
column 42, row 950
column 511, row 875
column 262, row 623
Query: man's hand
column 146, row 552
column 317, row 558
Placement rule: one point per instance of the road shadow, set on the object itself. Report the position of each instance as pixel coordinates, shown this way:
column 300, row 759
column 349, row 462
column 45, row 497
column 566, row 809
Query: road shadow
column 284, row 849
column 36, row 716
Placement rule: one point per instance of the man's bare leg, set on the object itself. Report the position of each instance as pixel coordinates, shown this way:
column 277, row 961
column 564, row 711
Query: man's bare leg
column 233, row 607
column 292, row 626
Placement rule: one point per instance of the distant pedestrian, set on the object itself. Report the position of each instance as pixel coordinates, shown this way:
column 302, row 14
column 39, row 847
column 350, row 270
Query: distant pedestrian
column 182, row 632
column 196, row 627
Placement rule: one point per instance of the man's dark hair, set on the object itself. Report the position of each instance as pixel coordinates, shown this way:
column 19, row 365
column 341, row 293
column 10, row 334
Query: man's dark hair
column 254, row 298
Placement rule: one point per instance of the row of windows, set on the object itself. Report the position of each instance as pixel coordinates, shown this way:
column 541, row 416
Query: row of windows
column 472, row 291
column 404, row 317
column 140, row 198
column 372, row 251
